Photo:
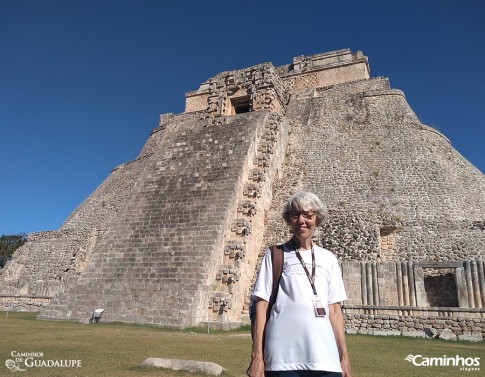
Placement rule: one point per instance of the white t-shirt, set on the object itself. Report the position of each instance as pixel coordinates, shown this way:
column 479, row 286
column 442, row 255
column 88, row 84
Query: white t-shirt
column 296, row 339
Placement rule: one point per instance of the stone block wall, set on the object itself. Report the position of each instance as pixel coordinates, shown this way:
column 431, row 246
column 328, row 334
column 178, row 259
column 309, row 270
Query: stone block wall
column 99, row 209
column 462, row 328
column 57, row 255
column 325, row 69
column 360, row 148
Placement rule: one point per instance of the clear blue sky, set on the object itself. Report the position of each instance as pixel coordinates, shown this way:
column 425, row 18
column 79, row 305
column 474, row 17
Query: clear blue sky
column 82, row 83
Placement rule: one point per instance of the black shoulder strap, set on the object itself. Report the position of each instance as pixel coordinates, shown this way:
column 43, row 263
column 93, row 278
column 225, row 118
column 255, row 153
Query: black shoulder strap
column 277, row 257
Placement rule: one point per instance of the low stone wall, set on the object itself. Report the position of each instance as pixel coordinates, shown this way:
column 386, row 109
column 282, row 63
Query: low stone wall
column 447, row 323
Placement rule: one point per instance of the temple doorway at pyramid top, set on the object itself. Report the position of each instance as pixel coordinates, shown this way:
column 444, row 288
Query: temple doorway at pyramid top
column 266, row 87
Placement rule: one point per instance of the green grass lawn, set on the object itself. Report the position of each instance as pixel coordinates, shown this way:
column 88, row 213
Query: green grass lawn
column 106, row 349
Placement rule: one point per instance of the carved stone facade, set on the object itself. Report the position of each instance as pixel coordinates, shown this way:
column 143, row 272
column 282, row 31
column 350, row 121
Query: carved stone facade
column 229, row 93
column 174, row 238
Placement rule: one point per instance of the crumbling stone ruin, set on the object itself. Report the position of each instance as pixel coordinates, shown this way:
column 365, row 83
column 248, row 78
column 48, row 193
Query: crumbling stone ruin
column 174, row 237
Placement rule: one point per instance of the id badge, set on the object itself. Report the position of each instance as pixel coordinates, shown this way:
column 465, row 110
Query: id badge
column 319, row 307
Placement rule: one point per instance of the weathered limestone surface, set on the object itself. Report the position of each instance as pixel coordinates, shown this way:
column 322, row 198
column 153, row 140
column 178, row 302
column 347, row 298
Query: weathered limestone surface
column 189, row 365
column 174, row 237
column 49, row 258
column 445, row 328
column 157, row 261
column 386, row 178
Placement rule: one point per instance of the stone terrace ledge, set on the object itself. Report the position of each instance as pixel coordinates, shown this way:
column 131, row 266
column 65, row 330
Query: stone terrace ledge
column 22, row 302
column 416, row 311
column 25, row 297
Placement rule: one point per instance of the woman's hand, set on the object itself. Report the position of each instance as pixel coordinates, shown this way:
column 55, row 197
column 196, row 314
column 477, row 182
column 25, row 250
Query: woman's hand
column 346, row 370
column 256, row 367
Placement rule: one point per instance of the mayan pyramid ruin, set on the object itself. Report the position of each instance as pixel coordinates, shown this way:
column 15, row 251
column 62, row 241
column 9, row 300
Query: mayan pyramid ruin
column 173, row 238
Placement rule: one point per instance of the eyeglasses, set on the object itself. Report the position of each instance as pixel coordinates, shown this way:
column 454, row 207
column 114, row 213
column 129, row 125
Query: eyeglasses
column 295, row 215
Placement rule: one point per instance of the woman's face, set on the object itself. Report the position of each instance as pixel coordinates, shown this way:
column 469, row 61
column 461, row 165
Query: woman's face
column 303, row 223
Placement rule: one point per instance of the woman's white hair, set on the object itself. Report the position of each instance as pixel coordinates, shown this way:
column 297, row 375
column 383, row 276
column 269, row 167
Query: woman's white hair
column 304, row 200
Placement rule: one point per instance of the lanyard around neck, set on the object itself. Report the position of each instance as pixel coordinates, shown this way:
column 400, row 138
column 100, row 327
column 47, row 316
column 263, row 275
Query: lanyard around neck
column 311, row 277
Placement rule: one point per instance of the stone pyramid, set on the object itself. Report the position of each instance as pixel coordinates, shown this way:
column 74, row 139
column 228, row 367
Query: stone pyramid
column 174, row 237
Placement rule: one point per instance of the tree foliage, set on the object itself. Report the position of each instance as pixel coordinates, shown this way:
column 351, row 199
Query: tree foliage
column 8, row 245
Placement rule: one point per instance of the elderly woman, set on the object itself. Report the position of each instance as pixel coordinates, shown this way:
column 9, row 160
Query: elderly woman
column 302, row 333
